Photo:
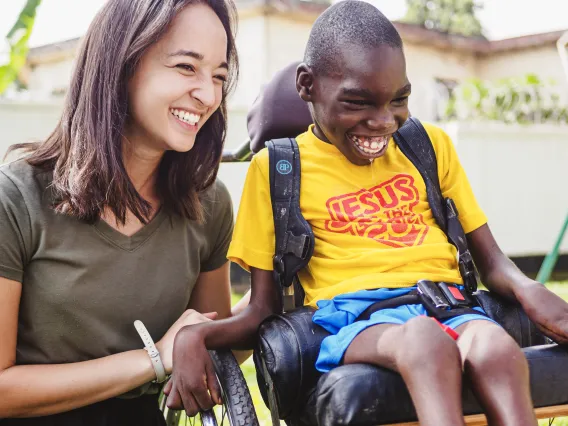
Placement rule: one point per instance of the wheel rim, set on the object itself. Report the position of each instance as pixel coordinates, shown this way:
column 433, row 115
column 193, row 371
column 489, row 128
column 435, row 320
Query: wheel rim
column 206, row 418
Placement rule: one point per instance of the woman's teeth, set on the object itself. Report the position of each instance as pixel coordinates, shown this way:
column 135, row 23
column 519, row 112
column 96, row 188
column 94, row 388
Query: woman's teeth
column 370, row 145
column 185, row 116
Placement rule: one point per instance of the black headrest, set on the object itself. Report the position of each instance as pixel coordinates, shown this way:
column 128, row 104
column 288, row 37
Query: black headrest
column 278, row 112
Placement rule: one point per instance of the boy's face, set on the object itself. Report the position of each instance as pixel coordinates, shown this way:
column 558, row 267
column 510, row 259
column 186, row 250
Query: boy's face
column 360, row 106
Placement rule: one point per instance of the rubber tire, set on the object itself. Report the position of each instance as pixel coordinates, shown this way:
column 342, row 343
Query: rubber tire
column 236, row 395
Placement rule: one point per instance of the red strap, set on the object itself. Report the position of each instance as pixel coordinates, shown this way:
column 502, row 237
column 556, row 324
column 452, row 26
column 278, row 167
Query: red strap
column 452, row 333
column 456, row 293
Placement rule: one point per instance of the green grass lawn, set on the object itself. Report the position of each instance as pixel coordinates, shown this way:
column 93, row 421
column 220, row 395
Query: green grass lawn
column 264, row 415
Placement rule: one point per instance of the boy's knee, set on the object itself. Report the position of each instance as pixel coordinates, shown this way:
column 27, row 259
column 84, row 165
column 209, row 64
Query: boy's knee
column 425, row 344
column 495, row 352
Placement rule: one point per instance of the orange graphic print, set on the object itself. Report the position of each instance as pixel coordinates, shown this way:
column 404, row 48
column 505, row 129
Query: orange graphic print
column 383, row 213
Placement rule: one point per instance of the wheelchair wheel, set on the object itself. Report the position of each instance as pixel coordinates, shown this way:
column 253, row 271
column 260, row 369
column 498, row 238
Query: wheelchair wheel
column 237, row 408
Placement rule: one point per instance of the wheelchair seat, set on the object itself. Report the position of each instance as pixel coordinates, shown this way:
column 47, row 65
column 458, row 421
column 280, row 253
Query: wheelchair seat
column 367, row 395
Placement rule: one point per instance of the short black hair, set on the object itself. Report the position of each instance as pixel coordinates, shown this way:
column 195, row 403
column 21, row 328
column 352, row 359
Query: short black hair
column 347, row 22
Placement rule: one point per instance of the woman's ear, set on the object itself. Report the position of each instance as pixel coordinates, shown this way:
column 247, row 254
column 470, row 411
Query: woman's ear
column 304, row 82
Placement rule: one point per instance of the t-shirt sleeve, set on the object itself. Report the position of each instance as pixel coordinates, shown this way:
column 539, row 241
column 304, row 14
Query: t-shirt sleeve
column 221, row 228
column 253, row 239
column 14, row 230
column 454, row 182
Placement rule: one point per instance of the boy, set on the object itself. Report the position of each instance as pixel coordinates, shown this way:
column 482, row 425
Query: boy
column 375, row 237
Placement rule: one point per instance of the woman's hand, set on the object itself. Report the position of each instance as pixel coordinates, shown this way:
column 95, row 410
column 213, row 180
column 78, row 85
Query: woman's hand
column 166, row 345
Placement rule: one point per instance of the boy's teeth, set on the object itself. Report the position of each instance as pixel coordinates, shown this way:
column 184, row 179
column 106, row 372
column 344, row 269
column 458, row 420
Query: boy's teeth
column 370, row 145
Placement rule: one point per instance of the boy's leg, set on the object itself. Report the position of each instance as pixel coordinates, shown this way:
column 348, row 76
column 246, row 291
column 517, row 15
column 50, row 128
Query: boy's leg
column 498, row 371
column 427, row 359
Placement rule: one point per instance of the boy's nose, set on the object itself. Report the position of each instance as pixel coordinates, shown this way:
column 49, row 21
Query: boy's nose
column 382, row 122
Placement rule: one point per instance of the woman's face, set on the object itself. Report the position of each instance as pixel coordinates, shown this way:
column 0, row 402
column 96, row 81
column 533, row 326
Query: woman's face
column 178, row 83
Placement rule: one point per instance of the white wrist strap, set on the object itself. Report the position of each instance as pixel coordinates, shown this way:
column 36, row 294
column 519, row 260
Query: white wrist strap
column 152, row 351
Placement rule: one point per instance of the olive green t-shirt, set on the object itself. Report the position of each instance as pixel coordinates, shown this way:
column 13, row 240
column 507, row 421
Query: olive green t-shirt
column 84, row 285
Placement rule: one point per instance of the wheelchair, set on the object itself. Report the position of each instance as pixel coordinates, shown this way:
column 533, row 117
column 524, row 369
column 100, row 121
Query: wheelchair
column 357, row 394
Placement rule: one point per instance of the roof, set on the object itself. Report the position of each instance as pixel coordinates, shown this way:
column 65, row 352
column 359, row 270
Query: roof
column 53, row 51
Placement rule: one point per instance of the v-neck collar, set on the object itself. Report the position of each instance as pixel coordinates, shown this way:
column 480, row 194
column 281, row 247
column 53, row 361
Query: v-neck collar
column 125, row 242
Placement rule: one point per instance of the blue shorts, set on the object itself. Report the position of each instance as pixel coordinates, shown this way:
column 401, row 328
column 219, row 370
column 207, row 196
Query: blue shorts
column 338, row 316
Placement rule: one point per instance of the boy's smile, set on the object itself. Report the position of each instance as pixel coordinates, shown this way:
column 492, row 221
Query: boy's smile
column 370, row 146
column 359, row 105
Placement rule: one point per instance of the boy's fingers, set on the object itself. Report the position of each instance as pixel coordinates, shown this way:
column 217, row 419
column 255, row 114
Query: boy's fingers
column 213, row 384
column 174, row 401
column 190, row 405
column 201, row 395
column 168, row 387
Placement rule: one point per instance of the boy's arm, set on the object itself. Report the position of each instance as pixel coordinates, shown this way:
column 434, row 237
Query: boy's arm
column 194, row 387
column 500, row 275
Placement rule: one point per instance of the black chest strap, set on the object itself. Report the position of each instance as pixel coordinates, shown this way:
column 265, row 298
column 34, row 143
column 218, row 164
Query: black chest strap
column 415, row 144
column 294, row 236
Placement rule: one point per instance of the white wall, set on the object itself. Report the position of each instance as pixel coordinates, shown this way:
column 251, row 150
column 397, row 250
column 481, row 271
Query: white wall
column 26, row 121
column 46, row 78
column 424, row 65
column 251, row 45
column 519, row 175
column 287, row 42
column 542, row 61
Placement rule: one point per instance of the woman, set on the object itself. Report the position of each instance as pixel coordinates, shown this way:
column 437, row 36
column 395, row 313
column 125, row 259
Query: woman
column 117, row 217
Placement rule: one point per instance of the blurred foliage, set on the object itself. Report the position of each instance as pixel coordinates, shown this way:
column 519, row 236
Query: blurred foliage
column 18, row 38
column 447, row 16
column 523, row 100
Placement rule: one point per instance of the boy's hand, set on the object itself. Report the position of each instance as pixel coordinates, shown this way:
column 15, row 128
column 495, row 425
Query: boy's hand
column 547, row 310
column 193, row 387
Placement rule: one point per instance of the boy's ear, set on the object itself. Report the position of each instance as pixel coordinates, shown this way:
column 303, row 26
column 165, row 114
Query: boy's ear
column 304, row 82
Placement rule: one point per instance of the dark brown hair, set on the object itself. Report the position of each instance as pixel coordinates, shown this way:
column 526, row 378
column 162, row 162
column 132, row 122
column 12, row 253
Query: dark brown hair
column 85, row 149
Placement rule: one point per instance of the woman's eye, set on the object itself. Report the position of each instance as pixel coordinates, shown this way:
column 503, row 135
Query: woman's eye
column 185, row 67
column 221, row 78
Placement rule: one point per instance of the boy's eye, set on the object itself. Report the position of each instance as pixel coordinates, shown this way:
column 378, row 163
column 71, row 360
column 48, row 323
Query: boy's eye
column 356, row 102
column 400, row 101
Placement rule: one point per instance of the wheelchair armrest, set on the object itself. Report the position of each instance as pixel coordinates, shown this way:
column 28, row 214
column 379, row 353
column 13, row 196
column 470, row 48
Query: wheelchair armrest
column 285, row 357
column 512, row 318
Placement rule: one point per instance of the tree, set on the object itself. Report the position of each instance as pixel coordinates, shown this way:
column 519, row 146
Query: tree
column 18, row 38
column 447, row 16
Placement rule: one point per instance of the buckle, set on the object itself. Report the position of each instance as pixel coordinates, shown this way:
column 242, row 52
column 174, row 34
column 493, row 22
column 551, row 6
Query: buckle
column 297, row 245
column 467, row 271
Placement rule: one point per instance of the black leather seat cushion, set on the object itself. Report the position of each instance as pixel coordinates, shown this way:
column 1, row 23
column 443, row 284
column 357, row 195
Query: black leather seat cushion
column 366, row 395
column 369, row 395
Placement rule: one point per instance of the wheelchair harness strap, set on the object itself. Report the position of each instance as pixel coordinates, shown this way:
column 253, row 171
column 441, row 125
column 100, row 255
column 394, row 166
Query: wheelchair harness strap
column 294, row 236
column 415, row 144
column 414, row 298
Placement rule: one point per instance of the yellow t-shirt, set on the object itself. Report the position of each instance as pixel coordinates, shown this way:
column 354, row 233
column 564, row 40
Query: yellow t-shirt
column 372, row 224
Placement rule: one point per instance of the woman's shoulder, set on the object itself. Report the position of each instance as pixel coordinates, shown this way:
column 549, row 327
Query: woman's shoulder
column 216, row 199
column 19, row 178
